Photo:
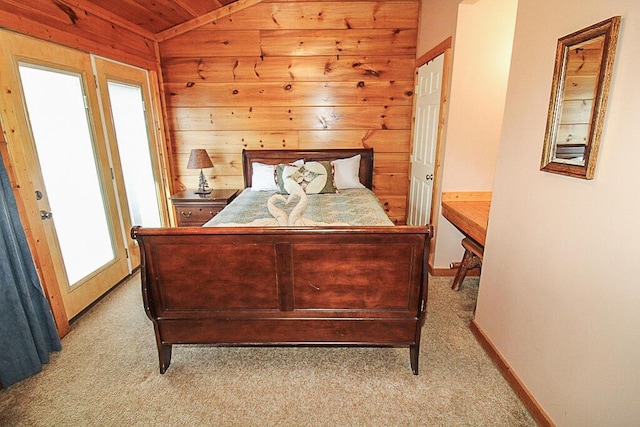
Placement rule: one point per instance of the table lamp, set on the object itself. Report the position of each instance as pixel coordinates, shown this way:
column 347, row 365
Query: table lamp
column 199, row 159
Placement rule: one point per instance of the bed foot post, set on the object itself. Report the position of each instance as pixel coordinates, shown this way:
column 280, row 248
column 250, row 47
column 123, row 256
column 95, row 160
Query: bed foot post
column 415, row 352
column 164, row 353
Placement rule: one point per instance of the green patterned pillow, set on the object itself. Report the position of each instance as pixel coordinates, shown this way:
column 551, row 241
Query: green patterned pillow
column 313, row 177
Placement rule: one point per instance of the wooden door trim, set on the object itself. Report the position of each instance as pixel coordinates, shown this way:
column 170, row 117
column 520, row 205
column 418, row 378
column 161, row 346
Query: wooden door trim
column 442, row 48
column 438, row 50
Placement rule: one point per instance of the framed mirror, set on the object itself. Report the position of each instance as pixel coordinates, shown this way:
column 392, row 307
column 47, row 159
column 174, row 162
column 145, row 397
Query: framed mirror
column 581, row 79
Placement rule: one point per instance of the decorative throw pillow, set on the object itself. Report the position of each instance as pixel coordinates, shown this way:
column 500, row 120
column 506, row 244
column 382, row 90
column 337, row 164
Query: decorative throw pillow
column 313, row 177
column 346, row 173
column 263, row 176
column 280, row 173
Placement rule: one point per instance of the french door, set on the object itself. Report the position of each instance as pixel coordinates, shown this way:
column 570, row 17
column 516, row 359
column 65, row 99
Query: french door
column 125, row 103
column 65, row 143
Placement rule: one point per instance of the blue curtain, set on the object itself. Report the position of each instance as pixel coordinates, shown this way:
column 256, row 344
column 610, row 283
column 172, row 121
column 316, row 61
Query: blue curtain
column 27, row 330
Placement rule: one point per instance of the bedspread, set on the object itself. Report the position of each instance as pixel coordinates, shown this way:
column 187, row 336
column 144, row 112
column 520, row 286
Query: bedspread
column 356, row 207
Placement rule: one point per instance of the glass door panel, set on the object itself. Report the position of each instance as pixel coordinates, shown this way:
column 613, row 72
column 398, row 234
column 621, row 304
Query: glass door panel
column 127, row 110
column 57, row 112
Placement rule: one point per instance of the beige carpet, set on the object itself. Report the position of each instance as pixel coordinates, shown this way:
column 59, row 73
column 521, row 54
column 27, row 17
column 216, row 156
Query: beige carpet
column 107, row 375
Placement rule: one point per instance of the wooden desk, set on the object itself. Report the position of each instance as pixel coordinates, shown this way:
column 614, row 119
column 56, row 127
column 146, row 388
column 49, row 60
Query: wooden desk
column 468, row 212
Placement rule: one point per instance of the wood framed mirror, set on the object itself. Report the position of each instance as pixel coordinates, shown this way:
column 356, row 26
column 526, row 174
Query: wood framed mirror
column 581, row 79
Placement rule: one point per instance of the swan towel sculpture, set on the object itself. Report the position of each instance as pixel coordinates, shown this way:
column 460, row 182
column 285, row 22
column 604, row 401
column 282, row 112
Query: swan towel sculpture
column 280, row 217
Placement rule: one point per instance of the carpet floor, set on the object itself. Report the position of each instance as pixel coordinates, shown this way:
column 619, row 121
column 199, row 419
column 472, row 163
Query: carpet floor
column 107, row 375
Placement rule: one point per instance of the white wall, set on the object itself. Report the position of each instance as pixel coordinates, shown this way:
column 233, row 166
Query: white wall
column 437, row 23
column 559, row 292
column 482, row 54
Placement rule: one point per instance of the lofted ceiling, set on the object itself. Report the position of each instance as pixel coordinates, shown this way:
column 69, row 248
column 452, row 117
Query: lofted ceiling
column 156, row 16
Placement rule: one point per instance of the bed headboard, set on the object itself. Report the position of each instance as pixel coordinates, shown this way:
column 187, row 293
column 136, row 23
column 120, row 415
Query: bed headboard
column 570, row 151
column 274, row 157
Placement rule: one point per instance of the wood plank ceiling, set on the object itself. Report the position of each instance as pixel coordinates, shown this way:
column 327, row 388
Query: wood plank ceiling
column 156, row 16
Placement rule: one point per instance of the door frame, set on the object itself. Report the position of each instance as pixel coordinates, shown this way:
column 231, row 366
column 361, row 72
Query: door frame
column 443, row 48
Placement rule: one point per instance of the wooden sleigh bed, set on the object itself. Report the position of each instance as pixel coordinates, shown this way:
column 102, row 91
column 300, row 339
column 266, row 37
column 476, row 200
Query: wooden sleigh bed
column 322, row 285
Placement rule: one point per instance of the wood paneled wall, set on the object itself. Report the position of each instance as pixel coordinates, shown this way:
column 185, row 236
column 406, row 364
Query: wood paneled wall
column 295, row 74
column 582, row 73
column 87, row 28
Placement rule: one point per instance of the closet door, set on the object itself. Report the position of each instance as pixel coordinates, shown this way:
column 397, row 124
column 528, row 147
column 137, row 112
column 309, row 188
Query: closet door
column 59, row 144
column 425, row 141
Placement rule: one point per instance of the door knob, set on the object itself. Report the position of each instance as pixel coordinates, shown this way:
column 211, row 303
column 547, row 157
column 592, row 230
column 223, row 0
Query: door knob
column 429, row 177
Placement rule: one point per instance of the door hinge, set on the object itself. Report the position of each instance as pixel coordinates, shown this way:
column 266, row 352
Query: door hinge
column 126, row 252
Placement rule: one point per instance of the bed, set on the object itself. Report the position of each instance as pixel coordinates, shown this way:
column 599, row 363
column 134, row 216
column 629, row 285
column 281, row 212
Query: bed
column 260, row 285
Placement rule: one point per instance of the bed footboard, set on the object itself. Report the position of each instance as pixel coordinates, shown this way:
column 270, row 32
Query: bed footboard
column 285, row 286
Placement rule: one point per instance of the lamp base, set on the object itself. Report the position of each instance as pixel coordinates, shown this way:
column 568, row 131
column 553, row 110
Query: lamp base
column 203, row 188
column 203, row 191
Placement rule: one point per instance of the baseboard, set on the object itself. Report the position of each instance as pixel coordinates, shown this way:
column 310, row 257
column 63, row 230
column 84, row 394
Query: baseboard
column 473, row 272
column 514, row 382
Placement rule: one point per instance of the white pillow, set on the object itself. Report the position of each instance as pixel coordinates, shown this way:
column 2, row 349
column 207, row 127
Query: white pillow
column 263, row 176
column 346, row 173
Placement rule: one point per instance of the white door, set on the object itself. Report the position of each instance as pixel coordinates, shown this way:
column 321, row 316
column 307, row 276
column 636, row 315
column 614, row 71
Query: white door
column 425, row 140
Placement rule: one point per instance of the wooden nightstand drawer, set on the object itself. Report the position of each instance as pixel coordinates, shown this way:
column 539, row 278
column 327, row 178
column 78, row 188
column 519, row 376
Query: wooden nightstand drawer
column 193, row 215
column 193, row 210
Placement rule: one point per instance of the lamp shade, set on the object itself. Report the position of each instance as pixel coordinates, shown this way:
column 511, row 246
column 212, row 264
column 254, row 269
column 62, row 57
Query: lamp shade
column 199, row 159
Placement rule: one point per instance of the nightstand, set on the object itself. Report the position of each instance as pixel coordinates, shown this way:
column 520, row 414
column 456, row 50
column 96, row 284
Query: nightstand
column 193, row 210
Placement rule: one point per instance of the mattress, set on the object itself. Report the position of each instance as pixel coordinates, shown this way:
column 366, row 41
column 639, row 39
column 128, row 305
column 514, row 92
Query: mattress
column 354, row 207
